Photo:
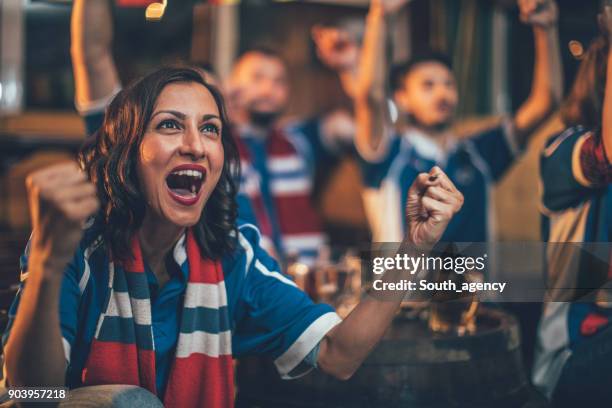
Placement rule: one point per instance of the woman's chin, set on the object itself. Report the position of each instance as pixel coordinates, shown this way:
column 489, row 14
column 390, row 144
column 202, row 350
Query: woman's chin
column 183, row 219
column 184, row 222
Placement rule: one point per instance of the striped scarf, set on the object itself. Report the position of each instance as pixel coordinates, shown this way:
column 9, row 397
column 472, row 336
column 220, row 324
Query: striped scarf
column 123, row 351
column 290, row 185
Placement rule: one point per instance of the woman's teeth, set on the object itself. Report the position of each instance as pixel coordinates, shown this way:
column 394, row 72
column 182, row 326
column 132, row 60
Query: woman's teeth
column 190, row 173
column 186, row 183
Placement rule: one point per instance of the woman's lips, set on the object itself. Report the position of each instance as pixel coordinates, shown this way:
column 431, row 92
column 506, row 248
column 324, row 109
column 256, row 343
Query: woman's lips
column 185, row 200
column 187, row 181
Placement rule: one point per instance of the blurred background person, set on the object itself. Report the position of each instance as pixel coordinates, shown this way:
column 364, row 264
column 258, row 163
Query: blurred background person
column 279, row 161
column 574, row 338
column 425, row 92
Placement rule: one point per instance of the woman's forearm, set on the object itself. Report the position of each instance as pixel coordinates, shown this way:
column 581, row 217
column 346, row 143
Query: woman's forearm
column 348, row 344
column 34, row 352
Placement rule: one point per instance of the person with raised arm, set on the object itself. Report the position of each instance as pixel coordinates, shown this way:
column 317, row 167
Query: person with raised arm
column 280, row 160
column 138, row 279
column 575, row 335
column 425, row 93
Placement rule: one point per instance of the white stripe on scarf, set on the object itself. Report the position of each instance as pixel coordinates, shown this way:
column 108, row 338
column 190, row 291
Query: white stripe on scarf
column 212, row 345
column 121, row 305
column 212, row 296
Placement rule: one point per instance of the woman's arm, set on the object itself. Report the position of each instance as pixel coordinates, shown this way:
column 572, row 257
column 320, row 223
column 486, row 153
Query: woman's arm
column 61, row 199
column 547, row 83
column 346, row 346
column 91, row 35
column 605, row 20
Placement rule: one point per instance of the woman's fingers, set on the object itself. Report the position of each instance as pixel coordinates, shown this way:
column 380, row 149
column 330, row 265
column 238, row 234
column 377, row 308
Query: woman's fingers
column 79, row 211
column 75, row 192
column 60, row 171
column 62, row 191
column 441, row 194
column 438, row 210
column 442, row 189
column 422, row 182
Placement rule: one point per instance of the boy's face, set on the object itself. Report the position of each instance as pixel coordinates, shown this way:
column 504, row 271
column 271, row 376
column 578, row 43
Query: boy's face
column 429, row 94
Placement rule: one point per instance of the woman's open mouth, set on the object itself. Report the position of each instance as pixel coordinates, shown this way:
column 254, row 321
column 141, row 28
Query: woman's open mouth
column 185, row 183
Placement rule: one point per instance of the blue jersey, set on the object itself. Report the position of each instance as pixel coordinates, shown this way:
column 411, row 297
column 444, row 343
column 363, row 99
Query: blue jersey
column 575, row 210
column 472, row 164
column 268, row 313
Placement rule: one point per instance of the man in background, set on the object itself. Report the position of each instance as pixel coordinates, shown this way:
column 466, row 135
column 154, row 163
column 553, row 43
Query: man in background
column 279, row 160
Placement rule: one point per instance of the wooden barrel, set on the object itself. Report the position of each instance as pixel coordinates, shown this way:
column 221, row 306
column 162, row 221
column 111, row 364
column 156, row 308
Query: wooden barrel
column 410, row 367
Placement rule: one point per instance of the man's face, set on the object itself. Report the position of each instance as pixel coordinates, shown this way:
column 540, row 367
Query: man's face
column 262, row 86
column 429, row 95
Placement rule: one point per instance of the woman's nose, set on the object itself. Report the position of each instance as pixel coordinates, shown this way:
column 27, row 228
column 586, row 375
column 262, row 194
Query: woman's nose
column 193, row 144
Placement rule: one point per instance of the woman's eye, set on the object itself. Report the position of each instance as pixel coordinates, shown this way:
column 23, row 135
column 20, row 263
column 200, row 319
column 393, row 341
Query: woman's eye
column 168, row 124
column 210, row 128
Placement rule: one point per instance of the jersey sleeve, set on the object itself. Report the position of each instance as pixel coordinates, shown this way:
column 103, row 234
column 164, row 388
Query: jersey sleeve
column 92, row 112
column 497, row 149
column 594, row 167
column 277, row 319
column 69, row 301
column 563, row 180
column 93, row 121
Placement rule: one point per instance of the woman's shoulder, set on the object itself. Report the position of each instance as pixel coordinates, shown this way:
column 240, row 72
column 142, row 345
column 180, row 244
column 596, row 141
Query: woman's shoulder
column 566, row 136
column 247, row 240
column 247, row 247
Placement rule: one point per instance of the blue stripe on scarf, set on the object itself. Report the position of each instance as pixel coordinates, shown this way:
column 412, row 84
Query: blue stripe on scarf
column 124, row 330
column 205, row 319
column 134, row 281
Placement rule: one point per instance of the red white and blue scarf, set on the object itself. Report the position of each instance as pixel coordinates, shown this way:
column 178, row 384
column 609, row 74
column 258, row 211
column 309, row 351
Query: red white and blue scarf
column 291, row 187
column 123, row 349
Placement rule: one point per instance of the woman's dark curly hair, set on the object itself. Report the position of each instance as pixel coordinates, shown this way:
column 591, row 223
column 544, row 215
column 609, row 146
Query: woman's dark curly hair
column 110, row 158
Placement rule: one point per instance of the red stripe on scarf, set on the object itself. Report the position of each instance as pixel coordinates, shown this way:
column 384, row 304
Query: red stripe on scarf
column 134, row 264
column 204, row 270
column 107, row 365
column 192, row 383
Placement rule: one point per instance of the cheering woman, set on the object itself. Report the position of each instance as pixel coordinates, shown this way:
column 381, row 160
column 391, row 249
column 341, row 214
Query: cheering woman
column 574, row 348
column 139, row 274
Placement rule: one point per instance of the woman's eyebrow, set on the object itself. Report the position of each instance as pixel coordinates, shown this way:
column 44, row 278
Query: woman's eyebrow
column 178, row 114
column 182, row 116
column 210, row 116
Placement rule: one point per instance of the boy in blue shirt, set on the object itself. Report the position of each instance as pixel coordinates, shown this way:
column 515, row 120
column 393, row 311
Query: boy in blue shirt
column 425, row 93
